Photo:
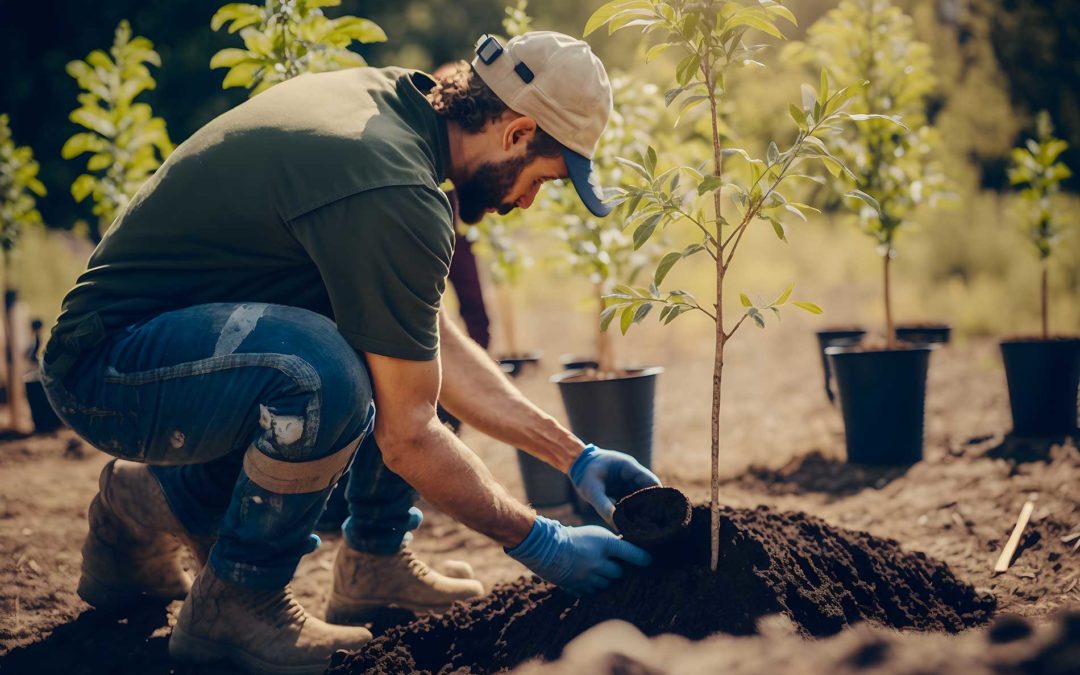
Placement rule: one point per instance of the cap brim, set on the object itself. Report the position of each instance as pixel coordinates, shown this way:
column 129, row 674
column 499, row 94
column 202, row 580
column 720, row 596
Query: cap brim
column 580, row 169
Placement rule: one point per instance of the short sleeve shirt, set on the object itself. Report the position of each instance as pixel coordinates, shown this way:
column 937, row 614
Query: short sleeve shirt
column 321, row 193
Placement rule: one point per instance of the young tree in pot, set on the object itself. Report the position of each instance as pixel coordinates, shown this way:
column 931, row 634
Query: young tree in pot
column 126, row 142
column 610, row 406
column 1043, row 372
column 19, row 188
column 713, row 37
column 500, row 242
column 882, row 391
column 873, row 40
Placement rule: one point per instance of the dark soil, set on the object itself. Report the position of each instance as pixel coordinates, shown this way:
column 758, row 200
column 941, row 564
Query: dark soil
column 823, row 578
column 653, row 516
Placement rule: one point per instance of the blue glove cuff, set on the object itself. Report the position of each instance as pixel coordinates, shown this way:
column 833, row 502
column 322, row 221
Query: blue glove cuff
column 577, row 469
column 534, row 544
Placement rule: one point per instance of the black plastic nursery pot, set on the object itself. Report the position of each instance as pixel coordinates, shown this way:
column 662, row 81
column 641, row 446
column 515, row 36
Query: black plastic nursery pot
column 577, row 362
column 614, row 413
column 517, row 365
column 1043, row 377
column 883, row 399
column 924, row 333
column 545, row 486
column 45, row 419
column 836, row 337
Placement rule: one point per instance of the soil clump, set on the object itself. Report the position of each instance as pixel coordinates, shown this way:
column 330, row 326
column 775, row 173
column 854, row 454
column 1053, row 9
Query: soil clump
column 653, row 516
column 823, row 578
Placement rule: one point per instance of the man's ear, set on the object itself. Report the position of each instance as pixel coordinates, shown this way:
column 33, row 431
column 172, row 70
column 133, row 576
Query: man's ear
column 520, row 130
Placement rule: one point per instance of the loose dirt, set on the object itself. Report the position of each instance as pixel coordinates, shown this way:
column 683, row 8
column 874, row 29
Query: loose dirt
column 823, row 578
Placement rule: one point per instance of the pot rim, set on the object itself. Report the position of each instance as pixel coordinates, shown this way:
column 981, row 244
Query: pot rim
column 643, row 371
column 841, row 331
column 926, row 326
column 528, row 357
column 859, row 350
column 1060, row 340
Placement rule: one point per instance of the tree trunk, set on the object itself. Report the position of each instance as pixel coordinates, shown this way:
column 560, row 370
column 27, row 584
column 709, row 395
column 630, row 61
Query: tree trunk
column 1045, row 302
column 12, row 358
column 605, row 349
column 890, row 330
column 504, row 297
column 721, row 337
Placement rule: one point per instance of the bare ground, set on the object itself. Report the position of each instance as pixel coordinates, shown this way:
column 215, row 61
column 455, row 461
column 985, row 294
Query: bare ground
column 783, row 446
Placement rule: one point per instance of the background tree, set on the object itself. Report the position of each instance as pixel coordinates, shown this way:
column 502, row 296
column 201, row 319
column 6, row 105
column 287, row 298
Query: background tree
column 19, row 188
column 1036, row 169
column 713, row 38
column 285, row 38
column 893, row 166
column 126, row 142
column 599, row 249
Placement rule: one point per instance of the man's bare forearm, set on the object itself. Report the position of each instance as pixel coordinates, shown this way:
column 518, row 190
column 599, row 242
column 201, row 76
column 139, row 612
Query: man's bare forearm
column 477, row 391
column 449, row 475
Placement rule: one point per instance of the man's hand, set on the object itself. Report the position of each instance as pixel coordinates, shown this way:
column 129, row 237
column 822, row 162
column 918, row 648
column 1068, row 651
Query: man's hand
column 602, row 476
column 578, row 559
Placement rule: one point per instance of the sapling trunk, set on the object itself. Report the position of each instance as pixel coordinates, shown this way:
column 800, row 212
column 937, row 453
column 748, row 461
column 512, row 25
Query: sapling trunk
column 890, row 331
column 605, row 349
column 11, row 356
column 1045, row 301
column 721, row 336
column 503, row 294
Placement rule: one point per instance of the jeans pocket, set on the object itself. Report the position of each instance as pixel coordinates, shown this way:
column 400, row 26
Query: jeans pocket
column 110, row 425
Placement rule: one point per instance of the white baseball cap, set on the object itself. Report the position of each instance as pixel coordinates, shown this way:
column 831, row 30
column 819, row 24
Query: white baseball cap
column 556, row 80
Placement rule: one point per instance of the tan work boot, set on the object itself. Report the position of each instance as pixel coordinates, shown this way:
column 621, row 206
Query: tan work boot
column 132, row 552
column 258, row 631
column 365, row 583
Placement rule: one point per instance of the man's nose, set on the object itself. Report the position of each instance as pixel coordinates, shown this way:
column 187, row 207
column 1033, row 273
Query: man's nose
column 526, row 201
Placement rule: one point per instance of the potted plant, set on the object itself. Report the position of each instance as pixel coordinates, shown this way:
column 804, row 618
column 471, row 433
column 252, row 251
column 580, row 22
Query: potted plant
column 1043, row 371
column 609, row 404
column 882, row 388
column 19, row 188
column 712, row 39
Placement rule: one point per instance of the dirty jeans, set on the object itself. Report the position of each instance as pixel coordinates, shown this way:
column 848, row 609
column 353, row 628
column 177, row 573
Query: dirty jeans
column 189, row 391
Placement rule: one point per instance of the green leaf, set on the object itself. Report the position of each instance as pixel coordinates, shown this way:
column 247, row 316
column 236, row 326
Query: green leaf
column 607, row 315
column 798, row 115
column 626, row 319
column 646, row 229
column 778, row 229
column 754, row 19
column 745, row 300
column 708, row 184
column 784, row 296
column 809, row 307
column 650, row 160
column 227, row 58
column 773, row 154
column 755, row 314
column 657, row 50
column 602, row 16
column 82, row 187
column 871, row 201
column 666, row 263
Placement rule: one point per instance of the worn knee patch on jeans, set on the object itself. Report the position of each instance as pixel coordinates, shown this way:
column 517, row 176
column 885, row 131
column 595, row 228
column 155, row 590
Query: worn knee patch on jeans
column 283, row 477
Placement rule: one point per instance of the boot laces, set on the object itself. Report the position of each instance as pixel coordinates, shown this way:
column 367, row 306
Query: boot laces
column 280, row 609
column 412, row 563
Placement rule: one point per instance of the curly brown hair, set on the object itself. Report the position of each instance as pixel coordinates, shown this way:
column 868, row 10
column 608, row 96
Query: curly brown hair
column 460, row 96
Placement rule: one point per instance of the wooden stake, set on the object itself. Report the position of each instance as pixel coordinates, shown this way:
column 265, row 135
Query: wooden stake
column 1005, row 559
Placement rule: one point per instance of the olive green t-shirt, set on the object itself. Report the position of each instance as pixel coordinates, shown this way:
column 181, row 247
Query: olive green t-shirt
column 320, row 193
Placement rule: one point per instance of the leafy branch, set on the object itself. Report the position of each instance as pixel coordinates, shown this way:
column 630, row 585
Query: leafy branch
column 286, row 38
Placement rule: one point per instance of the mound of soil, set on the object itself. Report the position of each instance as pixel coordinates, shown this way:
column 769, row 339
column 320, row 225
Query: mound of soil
column 823, row 578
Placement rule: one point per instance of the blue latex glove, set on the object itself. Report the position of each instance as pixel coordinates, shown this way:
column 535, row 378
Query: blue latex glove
column 578, row 559
column 602, row 476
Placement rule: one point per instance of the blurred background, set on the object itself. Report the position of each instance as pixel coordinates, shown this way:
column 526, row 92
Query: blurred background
column 965, row 261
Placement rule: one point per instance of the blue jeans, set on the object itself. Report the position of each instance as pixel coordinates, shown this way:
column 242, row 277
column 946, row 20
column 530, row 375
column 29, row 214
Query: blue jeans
column 189, row 391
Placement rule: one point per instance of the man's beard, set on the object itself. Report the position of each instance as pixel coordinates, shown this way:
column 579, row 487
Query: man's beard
column 486, row 188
